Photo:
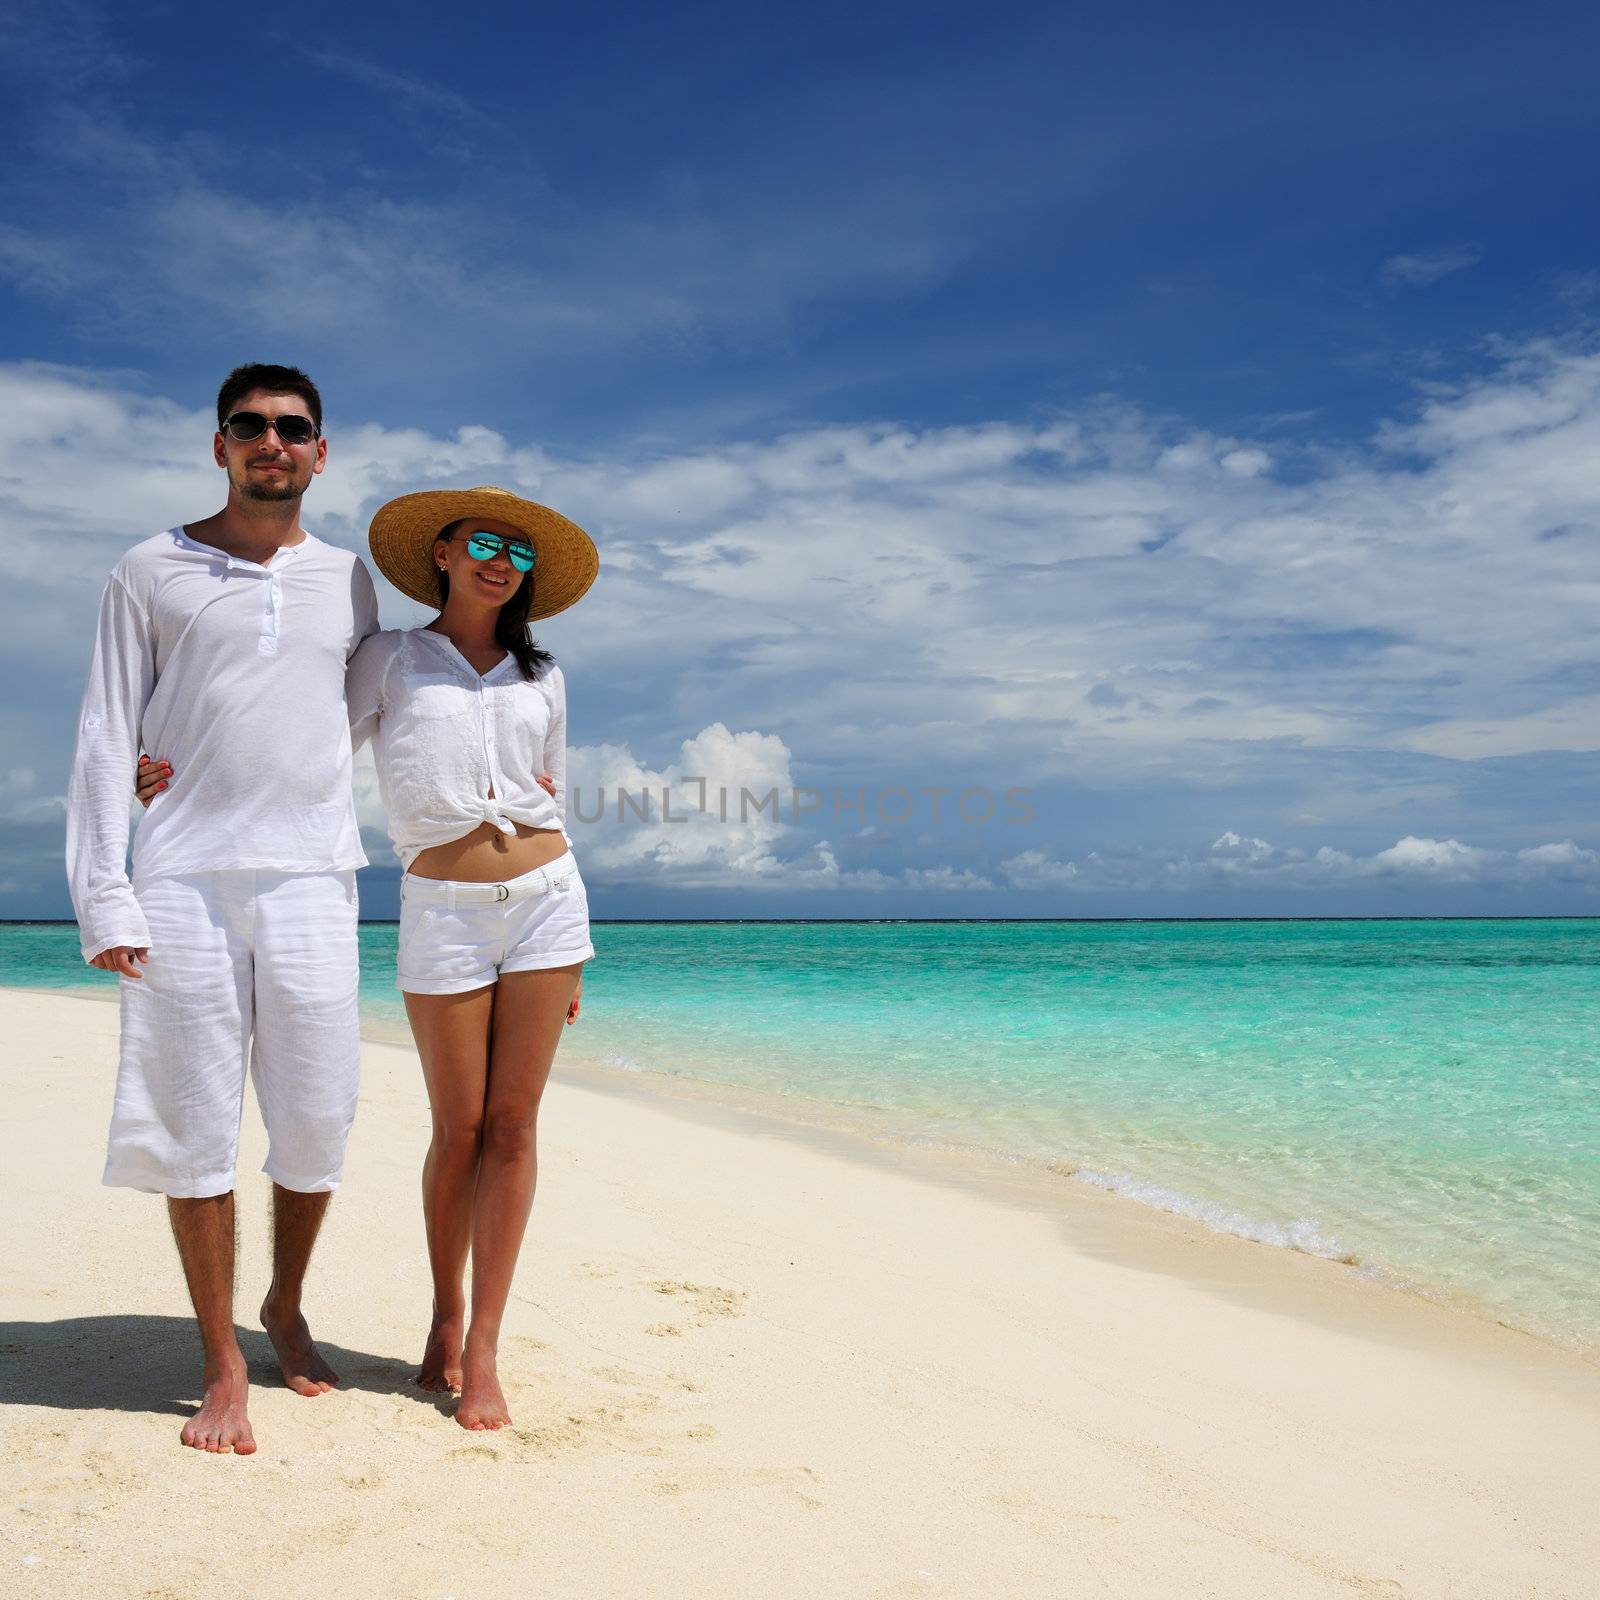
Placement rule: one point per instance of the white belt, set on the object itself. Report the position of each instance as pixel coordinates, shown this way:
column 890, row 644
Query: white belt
column 556, row 878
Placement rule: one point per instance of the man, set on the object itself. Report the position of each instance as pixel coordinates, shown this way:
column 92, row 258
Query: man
column 222, row 645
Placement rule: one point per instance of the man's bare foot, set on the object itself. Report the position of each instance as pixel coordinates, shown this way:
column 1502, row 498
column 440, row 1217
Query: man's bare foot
column 483, row 1403
column 440, row 1372
column 220, row 1425
column 303, row 1369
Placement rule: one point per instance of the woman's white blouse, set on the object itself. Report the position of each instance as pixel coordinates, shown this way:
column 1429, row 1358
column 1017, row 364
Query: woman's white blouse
column 455, row 749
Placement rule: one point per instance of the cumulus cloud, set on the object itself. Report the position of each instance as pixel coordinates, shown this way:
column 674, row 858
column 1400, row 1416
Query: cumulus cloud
column 713, row 817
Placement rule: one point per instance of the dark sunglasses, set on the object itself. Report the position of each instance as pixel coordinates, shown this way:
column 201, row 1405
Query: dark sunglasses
column 482, row 546
column 248, row 425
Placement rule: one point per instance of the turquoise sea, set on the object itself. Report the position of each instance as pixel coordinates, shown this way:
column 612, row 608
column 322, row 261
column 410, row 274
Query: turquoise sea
column 1419, row 1097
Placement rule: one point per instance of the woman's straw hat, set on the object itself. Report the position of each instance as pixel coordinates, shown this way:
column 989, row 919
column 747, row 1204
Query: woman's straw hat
column 402, row 534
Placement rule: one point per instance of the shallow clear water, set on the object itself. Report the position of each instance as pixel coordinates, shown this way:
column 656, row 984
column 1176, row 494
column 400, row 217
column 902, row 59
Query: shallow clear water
column 1421, row 1097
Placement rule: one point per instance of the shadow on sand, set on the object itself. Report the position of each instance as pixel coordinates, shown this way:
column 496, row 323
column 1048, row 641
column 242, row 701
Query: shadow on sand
column 152, row 1364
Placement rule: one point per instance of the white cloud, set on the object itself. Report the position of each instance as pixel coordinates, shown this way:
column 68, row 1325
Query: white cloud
column 632, row 817
column 415, row 95
column 1419, row 270
column 1246, row 463
column 1033, row 869
column 944, row 878
column 1432, row 858
column 21, row 801
column 728, row 813
column 1236, row 861
column 372, row 819
column 1571, row 725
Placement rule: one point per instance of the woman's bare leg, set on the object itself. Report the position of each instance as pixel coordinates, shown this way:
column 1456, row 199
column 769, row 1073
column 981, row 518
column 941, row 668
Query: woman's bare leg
column 529, row 1011
column 453, row 1033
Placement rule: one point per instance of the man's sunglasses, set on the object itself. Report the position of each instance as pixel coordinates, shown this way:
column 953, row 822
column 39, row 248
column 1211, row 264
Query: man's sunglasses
column 248, row 425
column 486, row 546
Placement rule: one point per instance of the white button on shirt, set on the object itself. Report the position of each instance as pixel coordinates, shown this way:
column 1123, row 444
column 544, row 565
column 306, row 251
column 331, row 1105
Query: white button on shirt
column 456, row 748
column 234, row 672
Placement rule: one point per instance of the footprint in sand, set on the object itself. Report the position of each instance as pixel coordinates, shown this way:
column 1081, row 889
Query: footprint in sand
column 617, row 1375
column 617, row 1427
column 552, row 1437
column 706, row 1302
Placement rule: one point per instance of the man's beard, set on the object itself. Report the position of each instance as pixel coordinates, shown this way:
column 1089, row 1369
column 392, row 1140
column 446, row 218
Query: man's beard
column 283, row 488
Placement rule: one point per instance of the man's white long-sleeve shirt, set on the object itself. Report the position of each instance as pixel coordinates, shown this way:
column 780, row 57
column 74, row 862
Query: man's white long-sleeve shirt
column 234, row 672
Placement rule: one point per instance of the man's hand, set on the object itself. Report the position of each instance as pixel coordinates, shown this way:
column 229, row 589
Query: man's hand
column 148, row 782
column 150, row 779
column 120, row 959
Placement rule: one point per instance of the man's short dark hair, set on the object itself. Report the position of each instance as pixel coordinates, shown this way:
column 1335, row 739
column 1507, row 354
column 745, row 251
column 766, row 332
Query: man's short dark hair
column 275, row 380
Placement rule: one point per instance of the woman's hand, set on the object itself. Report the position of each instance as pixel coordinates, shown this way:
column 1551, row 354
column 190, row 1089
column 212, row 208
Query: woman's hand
column 148, row 782
column 547, row 783
column 577, row 1001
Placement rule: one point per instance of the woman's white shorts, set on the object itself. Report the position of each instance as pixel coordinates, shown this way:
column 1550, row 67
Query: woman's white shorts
column 460, row 936
column 244, row 965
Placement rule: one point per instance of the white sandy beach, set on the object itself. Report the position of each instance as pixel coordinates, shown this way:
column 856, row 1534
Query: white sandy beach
column 746, row 1359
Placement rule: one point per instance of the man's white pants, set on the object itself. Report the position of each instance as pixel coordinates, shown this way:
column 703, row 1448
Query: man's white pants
column 244, row 965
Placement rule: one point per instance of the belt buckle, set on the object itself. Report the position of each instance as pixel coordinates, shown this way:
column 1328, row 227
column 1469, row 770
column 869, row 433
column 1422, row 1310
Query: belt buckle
column 501, row 892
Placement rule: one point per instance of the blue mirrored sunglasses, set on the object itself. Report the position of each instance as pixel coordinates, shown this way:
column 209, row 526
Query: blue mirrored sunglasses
column 486, row 546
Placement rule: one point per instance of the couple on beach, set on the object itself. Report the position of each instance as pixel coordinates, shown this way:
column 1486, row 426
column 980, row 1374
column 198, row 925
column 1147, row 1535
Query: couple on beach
column 244, row 654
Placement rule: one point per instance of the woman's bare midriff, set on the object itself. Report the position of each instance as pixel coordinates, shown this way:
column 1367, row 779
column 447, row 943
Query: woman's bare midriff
column 488, row 856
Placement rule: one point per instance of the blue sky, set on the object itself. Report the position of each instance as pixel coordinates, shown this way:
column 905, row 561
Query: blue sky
column 1190, row 417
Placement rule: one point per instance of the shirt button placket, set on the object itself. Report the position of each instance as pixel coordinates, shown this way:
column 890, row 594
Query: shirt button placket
column 486, row 707
column 271, row 605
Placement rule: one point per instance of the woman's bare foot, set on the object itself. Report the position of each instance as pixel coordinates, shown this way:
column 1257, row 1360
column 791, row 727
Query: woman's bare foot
column 483, row 1403
column 220, row 1425
column 304, row 1370
column 441, row 1360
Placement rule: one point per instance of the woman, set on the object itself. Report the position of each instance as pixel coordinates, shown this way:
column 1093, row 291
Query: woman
column 464, row 714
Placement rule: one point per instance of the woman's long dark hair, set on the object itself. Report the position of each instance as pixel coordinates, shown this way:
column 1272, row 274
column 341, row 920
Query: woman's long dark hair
column 511, row 622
